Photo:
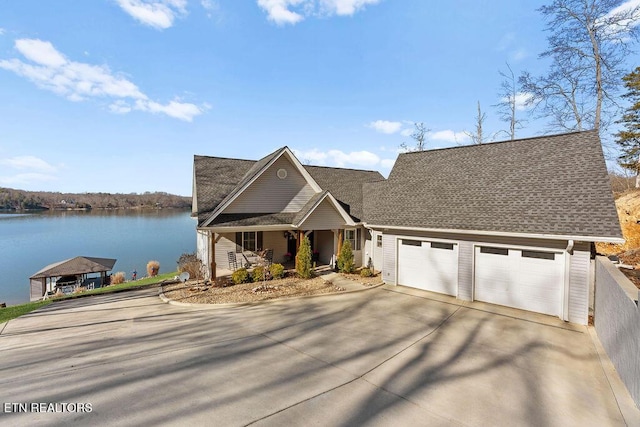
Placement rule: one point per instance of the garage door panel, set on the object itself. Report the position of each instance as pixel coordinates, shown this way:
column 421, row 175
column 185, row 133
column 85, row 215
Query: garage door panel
column 528, row 280
column 433, row 268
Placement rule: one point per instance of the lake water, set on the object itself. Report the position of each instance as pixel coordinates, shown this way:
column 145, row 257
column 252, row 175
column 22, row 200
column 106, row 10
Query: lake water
column 32, row 241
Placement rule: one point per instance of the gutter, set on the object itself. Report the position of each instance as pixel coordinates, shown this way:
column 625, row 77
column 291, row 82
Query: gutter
column 503, row 233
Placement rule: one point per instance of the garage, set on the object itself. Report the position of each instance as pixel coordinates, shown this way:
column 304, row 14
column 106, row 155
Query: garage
column 432, row 266
column 527, row 279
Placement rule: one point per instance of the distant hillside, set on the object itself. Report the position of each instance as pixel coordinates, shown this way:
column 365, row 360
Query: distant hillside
column 17, row 200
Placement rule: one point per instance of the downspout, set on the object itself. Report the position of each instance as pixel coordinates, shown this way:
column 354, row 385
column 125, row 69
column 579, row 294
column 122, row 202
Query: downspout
column 567, row 276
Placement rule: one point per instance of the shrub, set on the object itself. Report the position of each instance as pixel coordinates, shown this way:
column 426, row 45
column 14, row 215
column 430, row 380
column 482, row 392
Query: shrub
column 259, row 274
column 365, row 272
column 277, row 271
column 191, row 264
column 241, row 275
column 117, row 278
column 345, row 258
column 153, row 267
column 303, row 264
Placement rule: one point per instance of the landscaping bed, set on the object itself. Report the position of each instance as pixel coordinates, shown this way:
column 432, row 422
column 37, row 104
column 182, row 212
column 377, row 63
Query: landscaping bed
column 199, row 292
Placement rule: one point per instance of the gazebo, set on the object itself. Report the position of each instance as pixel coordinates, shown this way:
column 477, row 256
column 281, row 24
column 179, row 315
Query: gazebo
column 69, row 275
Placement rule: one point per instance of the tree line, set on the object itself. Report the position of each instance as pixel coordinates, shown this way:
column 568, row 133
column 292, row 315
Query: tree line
column 17, row 200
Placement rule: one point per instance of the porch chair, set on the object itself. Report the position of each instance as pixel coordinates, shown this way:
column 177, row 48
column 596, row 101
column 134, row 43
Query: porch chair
column 233, row 261
column 268, row 256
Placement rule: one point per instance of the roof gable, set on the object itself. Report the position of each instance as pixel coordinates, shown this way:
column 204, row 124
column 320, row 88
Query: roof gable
column 219, row 182
column 553, row 185
column 254, row 173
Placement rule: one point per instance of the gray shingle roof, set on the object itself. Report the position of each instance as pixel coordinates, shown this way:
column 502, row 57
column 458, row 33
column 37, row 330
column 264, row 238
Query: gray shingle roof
column 345, row 185
column 238, row 220
column 217, row 179
column 74, row 266
column 554, row 185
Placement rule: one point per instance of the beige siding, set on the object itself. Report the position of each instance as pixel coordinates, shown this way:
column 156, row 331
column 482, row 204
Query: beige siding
column 270, row 194
column 389, row 258
column 225, row 243
column 324, row 217
column 580, row 267
column 275, row 240
column 324, row 241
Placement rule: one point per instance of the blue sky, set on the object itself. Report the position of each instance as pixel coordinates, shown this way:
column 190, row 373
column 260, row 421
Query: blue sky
column 118, row 95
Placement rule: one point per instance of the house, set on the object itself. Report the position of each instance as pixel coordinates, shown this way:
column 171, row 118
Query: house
column 511, row 223
column 245, row 206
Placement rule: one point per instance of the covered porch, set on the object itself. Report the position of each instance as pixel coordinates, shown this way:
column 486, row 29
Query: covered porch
column 229, row 250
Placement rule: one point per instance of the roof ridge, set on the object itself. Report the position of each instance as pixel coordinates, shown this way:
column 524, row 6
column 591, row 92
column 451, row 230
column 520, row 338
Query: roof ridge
column 506, row 141
column 341, row 168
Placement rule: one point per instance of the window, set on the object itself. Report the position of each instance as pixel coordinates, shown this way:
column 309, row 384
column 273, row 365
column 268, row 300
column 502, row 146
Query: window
column 353, row 236
column 440, row 245
column 495, row 251
column 379, row 241
column 249, row 241
column 408, row 242
column 539, row 255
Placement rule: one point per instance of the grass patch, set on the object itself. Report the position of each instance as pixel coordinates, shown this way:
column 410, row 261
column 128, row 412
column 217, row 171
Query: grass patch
column 14, row 311
column 147, row 281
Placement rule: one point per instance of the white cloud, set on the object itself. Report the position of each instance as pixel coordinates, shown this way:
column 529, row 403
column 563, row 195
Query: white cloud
column 337, row 158
column 359, row 158
column 27, row 162
column 36, row 170
column 293, row 11
column 2, row 31
column 78, row 81
column 521, row 100
column 40, row 52
column 620, row 20
column 385, row 126
column 159, row 14
column 448, row 136
column 210, row 6
column 406, row 132
column 345, row 7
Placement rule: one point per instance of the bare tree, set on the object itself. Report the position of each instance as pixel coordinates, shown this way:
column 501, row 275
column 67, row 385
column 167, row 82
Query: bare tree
column 478, row 136
column 419, row 135
column 588, row 43
column 509, row 95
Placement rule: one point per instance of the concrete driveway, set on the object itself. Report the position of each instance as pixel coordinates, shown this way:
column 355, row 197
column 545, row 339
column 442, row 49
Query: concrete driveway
column 386, row 356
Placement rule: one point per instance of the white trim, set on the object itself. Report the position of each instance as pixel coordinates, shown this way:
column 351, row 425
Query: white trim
column 277, row 227
column 292, row 158
column 502, row 233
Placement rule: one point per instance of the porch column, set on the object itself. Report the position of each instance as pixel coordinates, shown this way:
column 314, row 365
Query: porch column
column 213, row 256
column 340, row 239
column 298, row 241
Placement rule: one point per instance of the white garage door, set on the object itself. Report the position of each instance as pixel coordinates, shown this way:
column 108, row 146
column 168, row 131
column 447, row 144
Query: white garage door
column 432, row 266
column 525, row 279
